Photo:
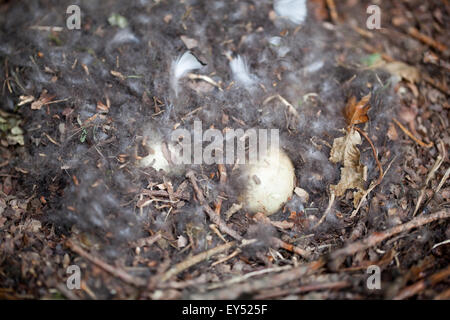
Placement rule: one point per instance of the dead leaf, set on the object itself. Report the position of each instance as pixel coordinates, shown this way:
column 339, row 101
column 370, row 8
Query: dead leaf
column 353, row 174
column 302, row 194
column 403, row 70
column 181, row 242
column 262, row 218
column 356, row 112
column 24, row 100
column 117, row 74
column 189, row 42
column 34, row 225
column 392, row 132
column 44, row 99
column 102, row 108
column 167, row 18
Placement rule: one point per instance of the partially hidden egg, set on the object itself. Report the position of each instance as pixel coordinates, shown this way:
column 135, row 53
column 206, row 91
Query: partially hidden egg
column 270, row 182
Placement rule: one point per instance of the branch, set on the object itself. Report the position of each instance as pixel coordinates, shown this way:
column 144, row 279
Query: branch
column 115, row 271
column 377, row 237
column 215, row 218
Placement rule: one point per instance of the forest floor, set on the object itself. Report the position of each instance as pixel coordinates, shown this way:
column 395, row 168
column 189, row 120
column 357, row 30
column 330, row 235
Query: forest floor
column 412, row 251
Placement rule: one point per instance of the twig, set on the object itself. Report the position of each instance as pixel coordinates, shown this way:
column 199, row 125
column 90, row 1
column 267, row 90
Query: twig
column 66, row 292
column 267, row 282
column 53, row 102
column 377, row 237
column 51, row 139
column 274, row 241
column 290, row 107
column 445, row 295
column 232, row 210
column 222, row 180
column 444, row 178
column 421, row 285
column 232, row 255
column 333, row 11
column 441, row 86
column 427, row 40
column 440, row 244
column 147, row 241
column 163, row 193
column 306, row 288
column 277, row 243
column 203, row 278
column 47, row 28
column 180, row 267
column 215, row 218
column 191, row 113
column 437, row 164
column 247, row 276
column 330, row 205
column 375, row 155
column 409, row 134
column 115, row 271
column 371, row 187
column 193, row 76
column 217, row 231
column 7, row 76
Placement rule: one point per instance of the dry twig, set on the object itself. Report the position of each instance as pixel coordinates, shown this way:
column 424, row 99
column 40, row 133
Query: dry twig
column 223, row 180
column 409, row 134
column 427, row 40
column 377, row 237
column 196, row 259
column 270, row 294
column 267, row 282
column 277, row 243
column 375, row 154
column 421, row 285
column 333, row 11
column 437, row 164
column 368, row 191
column 215, row 218
column 193, row 76
column 115, row 271
column 147, row 241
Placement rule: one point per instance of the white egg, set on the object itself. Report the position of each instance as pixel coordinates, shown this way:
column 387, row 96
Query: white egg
column 270, row 182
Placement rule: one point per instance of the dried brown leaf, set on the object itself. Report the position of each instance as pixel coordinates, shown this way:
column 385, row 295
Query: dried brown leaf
column 356, row 112
column 403, row 70
column 353, row 174
column 44, row 99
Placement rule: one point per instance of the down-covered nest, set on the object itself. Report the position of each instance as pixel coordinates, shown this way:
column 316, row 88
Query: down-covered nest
column 88, row 102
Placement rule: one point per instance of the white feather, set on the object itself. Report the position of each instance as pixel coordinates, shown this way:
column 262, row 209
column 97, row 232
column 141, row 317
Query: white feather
column 240, row 71
column 315, row 66
column 187, row 62
column 294, row 10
